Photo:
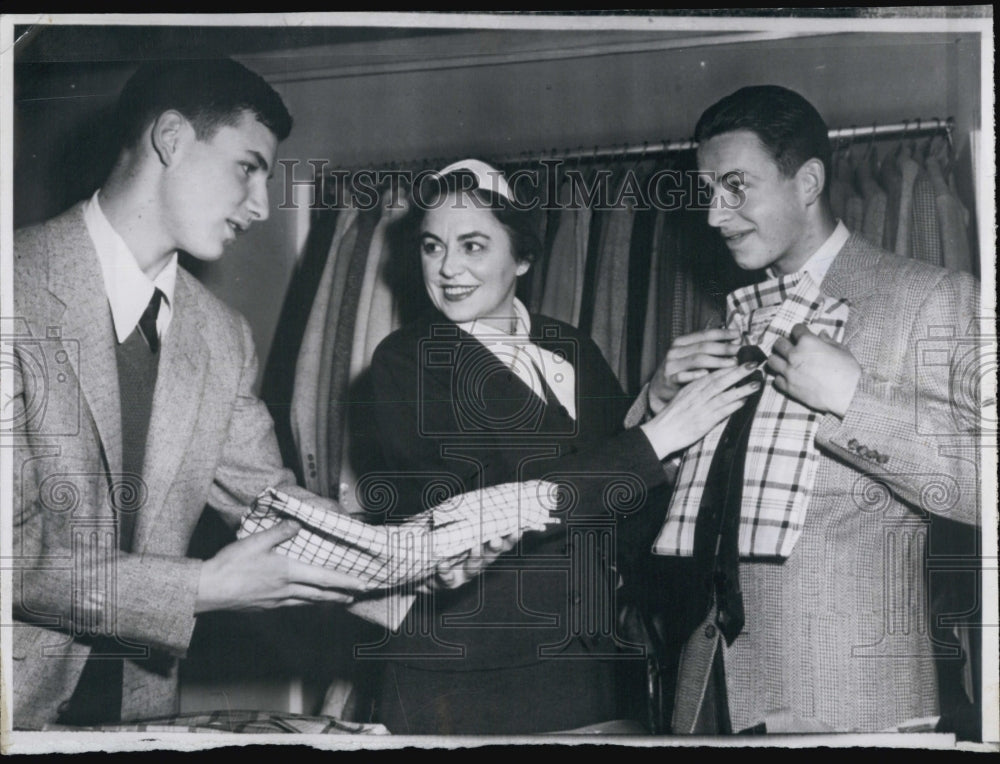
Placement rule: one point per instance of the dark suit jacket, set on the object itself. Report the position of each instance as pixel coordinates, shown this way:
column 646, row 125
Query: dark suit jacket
column 210, row 441
column 451, row 416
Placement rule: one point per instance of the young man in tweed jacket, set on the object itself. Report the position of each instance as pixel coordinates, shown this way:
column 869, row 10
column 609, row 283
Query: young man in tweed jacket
column 836, row 628
column 146, row 380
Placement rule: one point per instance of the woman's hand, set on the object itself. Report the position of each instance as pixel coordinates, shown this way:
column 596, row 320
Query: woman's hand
column 697, row 408
column 457, row 571
column 690, row 357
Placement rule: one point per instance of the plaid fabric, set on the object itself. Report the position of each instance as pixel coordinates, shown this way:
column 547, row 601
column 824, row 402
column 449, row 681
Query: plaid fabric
column 253, row 722
column 393, row 555
column 781, row 455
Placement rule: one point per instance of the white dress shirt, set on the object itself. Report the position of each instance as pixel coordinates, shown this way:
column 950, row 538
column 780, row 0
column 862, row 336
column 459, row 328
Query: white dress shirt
column 820, row 261
column 517, row 352
column 129, row 290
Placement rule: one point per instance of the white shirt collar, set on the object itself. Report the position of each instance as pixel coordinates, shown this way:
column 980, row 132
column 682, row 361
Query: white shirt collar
column 821, row 260
column 511, row 347
column 521, row 321
column 127, row 287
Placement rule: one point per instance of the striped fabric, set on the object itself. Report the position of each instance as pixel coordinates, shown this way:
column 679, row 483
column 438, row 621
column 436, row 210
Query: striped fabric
column 393, row 555
column 781, row 455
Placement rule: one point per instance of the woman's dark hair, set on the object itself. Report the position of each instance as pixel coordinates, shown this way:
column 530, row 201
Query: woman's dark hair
column 786, row 123
column 521, row 224
column 210, row 93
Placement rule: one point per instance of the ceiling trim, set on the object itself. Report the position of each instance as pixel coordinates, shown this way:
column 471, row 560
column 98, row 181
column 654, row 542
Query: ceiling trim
column 485, row 48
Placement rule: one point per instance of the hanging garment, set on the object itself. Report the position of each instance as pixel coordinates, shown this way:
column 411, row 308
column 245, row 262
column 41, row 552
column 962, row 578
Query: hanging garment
column 640, row 255
column 303, row 413
column 531, row 288
column 925, row 232
column 383, row 316
column 953, row 218
column 377, row 317
column 327, row 349
column 670, row 258
column 342, row 342
column 610, row 304
column 854, row 206
column 891, row 179
column 909, row 169
column 278, row 383
column 839, row 188
column 875, row 199
column 538, row 271
column 650, row 333
column 567, row 266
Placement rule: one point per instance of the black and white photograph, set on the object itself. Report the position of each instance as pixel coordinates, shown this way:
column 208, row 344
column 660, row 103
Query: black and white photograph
column 443, row 379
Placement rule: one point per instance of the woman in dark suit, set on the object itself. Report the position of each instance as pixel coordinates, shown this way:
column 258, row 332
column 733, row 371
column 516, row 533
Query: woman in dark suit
column 476, row 393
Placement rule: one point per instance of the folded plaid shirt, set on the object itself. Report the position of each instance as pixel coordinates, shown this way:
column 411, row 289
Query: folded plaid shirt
column 781, row 454
column 393, row 555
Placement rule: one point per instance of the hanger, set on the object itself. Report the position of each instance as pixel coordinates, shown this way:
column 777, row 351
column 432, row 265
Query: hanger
column 642, row 157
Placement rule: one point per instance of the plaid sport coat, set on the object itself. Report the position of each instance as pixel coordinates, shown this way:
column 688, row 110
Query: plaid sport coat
column 838, row 632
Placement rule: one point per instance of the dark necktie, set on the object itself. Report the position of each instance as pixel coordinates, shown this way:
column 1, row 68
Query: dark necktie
column 716, row 534
column 147, row 322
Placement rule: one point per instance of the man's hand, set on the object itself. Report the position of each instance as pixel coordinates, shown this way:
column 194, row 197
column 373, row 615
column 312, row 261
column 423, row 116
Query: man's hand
column 690, row 357
column 249, row 575
column 457, row 571
column 815, row 371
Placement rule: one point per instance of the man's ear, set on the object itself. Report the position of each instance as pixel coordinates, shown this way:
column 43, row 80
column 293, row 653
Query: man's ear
column 811, row 178
column 166, row 135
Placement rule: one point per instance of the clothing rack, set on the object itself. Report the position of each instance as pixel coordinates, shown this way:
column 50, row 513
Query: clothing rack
column 915, row 128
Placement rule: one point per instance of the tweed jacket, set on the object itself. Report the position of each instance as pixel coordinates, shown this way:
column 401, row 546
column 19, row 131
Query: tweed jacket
column 210, row 441
column 838, row 632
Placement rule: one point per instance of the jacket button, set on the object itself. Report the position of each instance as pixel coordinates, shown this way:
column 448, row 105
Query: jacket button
column 710, row 631
column 883, row 459
column 852, row 444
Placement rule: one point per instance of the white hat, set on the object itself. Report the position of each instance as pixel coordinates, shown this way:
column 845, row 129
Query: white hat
column 487, row 178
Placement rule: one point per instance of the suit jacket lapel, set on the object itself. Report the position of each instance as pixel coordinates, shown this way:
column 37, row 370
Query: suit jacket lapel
column 177, row 400
column 850, row 277
column 76, row 283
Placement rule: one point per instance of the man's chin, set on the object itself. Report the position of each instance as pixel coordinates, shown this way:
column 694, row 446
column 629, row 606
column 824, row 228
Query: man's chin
column 207, row 255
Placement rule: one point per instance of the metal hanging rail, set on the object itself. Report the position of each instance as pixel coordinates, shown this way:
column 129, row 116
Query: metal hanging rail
column 908, row 128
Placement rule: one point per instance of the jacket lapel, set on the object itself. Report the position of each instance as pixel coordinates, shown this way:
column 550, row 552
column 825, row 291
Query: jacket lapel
column 76, row 283
column 177, row 401
column 850, row 277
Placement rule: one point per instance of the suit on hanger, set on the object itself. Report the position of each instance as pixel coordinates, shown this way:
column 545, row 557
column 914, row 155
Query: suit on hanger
column 506, row 652
column 838, row 631
column 210, row 441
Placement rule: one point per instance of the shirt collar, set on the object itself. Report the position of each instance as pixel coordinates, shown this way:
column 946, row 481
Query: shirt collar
column 821, row 260
column 127, row 287
column 481, row 329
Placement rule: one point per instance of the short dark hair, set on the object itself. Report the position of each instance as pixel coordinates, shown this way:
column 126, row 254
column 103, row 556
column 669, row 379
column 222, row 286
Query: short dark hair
column 209, row 93
column 786, row 123
column 520, row 223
